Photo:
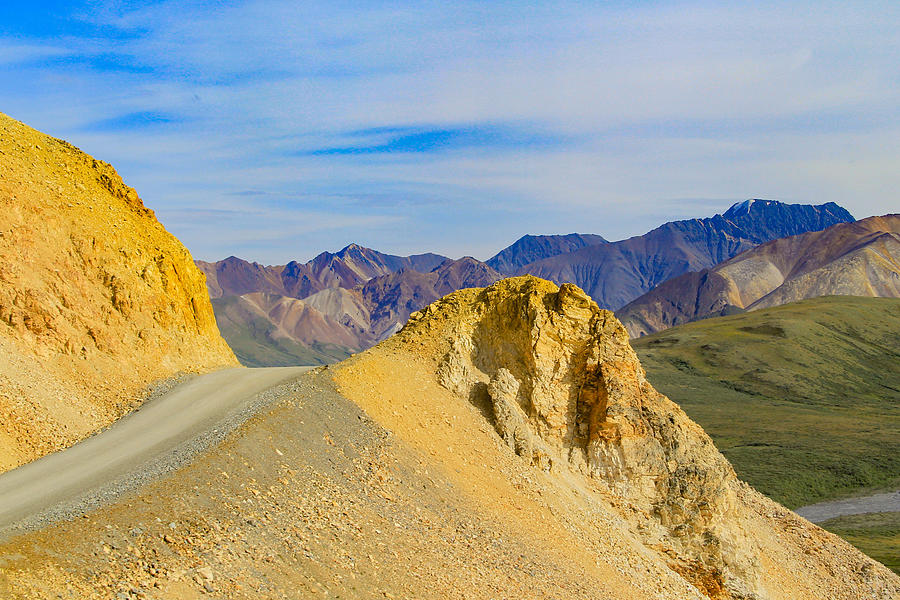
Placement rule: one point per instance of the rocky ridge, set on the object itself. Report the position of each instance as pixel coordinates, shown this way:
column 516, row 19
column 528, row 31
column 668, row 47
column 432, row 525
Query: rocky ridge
column 531, row 248
column 97, row 299
column 562, row 388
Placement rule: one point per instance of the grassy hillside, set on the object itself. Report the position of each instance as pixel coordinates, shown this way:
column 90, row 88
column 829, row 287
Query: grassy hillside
column 804, row 399
column 255, row 343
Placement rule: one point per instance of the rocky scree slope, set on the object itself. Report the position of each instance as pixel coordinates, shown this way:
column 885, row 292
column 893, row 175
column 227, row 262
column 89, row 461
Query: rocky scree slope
column 614, row 274
column 849, row 259
column 97, row 299
column 556, row 379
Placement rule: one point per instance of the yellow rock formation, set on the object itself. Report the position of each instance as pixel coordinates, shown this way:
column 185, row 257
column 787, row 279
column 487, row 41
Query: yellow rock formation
column 556, row 379
column 97, row 299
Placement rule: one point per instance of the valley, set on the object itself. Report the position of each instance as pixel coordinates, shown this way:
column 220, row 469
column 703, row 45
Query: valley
column 803, row 400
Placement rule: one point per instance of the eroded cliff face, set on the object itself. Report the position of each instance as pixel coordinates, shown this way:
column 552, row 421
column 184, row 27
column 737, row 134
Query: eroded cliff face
column 558, row 381
column 566, row 391
column 97, row 299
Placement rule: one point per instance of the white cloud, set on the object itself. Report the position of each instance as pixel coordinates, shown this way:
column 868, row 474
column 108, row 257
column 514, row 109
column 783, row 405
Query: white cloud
column 679, row 101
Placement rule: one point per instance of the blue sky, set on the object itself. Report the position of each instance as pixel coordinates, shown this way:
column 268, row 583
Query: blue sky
column 273, row 129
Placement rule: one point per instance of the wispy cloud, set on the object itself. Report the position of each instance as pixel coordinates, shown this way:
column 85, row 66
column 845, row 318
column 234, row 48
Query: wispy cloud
column 135, row 121
column 391, row 140
column 419, row 126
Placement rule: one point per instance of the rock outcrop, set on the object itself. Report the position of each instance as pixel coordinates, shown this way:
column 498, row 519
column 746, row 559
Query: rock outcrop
column 556, row 377
column 97, row 299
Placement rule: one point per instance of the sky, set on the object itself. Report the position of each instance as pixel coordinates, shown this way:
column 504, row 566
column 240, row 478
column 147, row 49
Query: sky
column 274, row 130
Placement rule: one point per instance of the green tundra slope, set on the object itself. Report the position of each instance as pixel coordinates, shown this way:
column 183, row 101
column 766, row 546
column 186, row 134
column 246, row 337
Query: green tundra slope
column 804, row 399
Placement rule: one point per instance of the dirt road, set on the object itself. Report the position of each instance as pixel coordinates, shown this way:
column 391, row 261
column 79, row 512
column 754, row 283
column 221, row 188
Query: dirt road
column 163, row 434
column 823, row 511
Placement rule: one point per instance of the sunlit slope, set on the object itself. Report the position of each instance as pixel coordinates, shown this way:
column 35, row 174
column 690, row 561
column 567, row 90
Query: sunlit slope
column 97, row 299
column 554, row 378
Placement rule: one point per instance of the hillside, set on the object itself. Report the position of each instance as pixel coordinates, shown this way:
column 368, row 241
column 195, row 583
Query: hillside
column 275, row 331
column 97, row 299
column 473, row 455
column 803, row 399
column 614, row 274
column 853, row 259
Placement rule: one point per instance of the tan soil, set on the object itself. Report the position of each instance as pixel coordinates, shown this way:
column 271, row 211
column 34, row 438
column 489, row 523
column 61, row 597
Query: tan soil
column 97, row 299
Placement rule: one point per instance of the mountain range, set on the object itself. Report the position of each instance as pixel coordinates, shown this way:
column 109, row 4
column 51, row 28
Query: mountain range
column 617, row 273
column 271, row 329
column 356, row 297
column 855, row 259
column 347, row 268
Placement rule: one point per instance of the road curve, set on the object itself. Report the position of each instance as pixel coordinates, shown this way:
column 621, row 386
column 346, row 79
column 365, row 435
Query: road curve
column 120, row 457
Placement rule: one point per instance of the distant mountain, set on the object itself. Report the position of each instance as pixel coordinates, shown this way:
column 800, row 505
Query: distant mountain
column 531, row 248
column 234, row 276
column 266, row 329
column 852, row 259
column 618, row 272
column 347, row 268
column 392, row 298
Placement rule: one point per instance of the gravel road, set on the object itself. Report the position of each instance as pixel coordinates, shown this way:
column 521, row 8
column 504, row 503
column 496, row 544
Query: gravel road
column 817, row 513
column 163, row 434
